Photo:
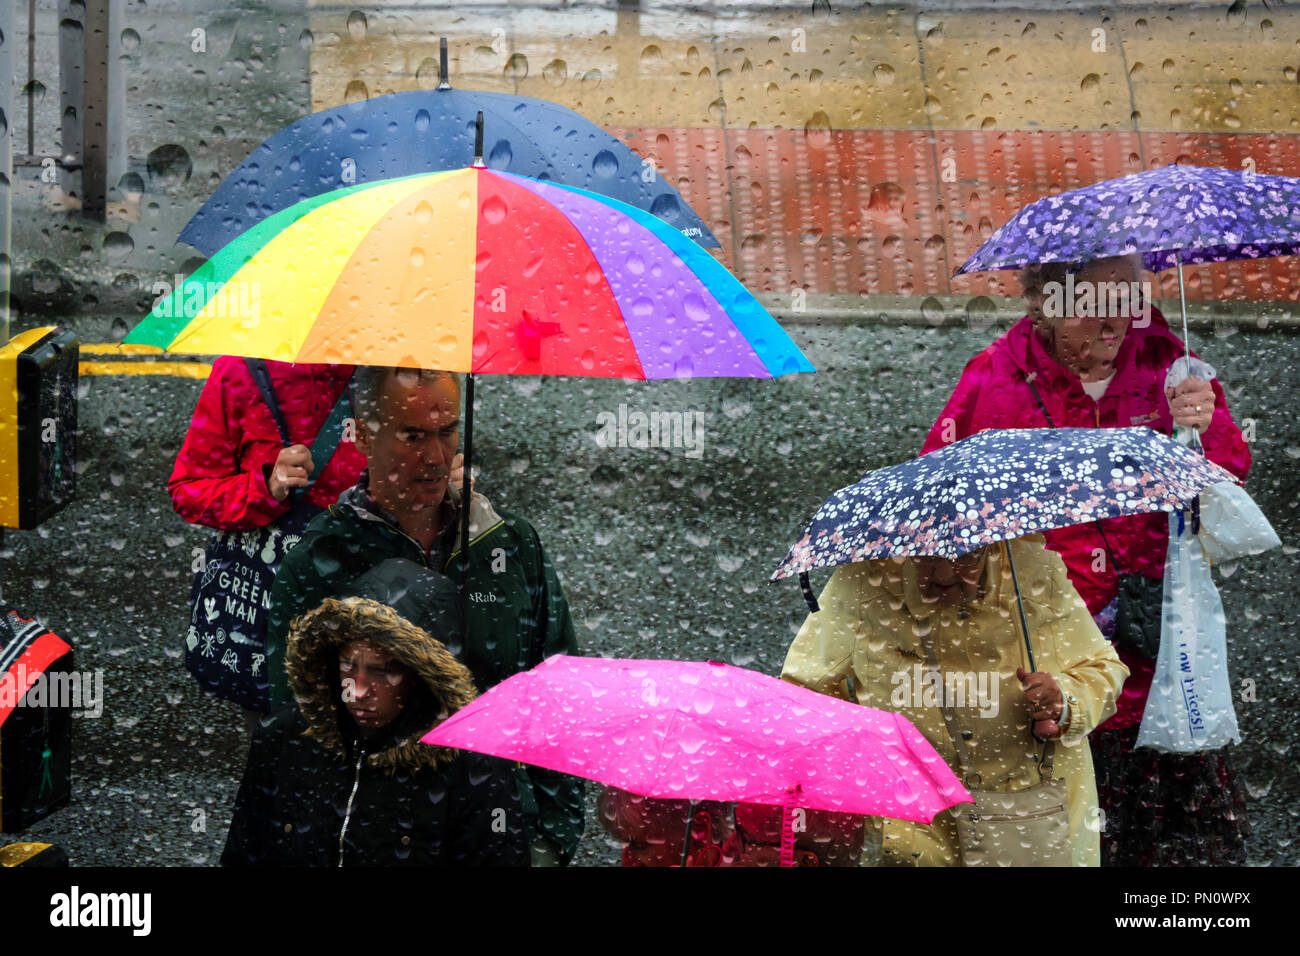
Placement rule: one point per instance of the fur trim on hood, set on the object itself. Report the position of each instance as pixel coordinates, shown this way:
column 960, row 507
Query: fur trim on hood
column 311, row 661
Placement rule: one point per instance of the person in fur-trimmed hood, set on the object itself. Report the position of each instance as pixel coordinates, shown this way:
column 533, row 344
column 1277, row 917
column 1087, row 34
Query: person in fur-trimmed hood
column 406, row 505
column 342, row 778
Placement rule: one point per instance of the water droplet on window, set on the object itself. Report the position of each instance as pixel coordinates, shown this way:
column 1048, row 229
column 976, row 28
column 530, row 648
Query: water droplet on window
column 118, row 245
column 605, row 164
column 494, row 210
column 426, row 74
column 555, row 72
column 501, row 155
column 357, row 92
column 169, row 166
column 817, row 130
column 516, row 67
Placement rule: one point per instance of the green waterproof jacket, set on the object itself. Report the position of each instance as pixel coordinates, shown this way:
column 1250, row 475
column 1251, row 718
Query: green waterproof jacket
column 518, row 616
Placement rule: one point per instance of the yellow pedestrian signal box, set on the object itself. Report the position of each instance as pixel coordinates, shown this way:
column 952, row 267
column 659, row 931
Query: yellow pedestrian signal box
column 38, row 425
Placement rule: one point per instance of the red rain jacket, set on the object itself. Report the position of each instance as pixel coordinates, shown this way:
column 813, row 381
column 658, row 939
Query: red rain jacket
column 219, row 481
column 993, row 393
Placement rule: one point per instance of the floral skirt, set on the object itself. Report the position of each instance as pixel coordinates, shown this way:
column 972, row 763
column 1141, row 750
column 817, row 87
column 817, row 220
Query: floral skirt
column 1167, row 809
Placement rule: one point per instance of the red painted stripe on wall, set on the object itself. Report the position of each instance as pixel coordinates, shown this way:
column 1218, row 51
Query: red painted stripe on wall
column 894, row 212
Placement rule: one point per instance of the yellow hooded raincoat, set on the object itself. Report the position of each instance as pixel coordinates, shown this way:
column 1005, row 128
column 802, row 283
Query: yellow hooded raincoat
column 871, row 628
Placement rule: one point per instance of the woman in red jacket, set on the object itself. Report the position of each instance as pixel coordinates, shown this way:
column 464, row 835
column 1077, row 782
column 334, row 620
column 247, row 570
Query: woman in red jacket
column 236, row 475
column 1108, row 371
column 234, row 472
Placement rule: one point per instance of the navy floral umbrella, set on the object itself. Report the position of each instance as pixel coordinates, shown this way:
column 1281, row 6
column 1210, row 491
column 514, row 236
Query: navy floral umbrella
column 1172, row 215
column 998, row 485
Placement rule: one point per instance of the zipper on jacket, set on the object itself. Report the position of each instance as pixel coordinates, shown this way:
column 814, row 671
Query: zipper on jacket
column 424, row 555
column 419, row 548
column 347, row 814
column 396, row 529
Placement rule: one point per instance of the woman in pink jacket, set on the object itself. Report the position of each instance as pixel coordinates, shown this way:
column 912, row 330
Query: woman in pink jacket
column 1108, row 371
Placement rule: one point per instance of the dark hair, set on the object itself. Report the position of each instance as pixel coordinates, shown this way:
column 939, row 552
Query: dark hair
column 368, row 381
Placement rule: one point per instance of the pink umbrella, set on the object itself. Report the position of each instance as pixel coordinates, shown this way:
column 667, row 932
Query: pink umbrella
column 686, row 730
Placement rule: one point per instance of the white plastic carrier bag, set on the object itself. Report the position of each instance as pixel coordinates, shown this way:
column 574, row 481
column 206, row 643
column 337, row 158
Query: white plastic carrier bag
column 1190, row 707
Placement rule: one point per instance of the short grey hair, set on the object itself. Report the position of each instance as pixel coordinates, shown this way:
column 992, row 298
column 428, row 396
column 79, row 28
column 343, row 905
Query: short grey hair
column 368, row 382
column 1036, row 276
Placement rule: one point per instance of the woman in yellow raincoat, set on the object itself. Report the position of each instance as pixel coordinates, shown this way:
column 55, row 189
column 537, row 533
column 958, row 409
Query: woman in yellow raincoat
column 879, row 624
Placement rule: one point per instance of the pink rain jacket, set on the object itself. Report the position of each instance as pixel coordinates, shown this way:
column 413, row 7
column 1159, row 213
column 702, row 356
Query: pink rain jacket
column 218, row 479
column 993, row 393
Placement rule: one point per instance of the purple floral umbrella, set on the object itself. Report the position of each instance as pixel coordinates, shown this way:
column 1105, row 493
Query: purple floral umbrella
column 1172, row 215
column 994, row 486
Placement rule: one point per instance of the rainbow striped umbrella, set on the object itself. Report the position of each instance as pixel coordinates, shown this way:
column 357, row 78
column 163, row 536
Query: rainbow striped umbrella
column 474, row 270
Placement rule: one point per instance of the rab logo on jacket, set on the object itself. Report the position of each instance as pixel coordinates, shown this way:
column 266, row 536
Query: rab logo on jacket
column 74, row 909
column 484, row 597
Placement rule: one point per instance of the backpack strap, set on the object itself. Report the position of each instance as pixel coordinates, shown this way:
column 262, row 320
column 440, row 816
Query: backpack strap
column 330, row 433
column 262, row 376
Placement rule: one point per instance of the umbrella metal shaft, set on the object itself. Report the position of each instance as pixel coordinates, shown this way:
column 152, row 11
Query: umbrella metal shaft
column 1187, row 343
column 465, row 493
column 1020, row 606
column 690, row 822
column 1182, row 301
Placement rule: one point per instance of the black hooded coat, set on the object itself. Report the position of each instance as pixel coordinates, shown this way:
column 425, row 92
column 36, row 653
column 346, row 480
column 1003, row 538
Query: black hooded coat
column 316, row 793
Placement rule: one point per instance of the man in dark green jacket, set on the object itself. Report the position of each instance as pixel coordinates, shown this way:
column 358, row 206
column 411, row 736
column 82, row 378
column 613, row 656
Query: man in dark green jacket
column 405, row 507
